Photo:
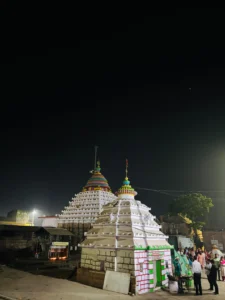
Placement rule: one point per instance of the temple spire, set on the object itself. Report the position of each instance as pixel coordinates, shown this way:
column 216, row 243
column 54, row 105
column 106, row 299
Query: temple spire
column 126, row 188
column 126, row 170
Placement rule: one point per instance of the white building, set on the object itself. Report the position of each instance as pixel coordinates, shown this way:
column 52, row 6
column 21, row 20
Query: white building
column 85, row 206
column 49, row 221
column 125, row 238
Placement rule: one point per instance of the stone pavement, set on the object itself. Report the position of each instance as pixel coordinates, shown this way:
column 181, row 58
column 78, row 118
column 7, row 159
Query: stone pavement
column 25, row 286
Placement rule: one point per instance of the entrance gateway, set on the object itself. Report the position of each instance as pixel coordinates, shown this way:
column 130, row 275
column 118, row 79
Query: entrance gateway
column 157, row 267
column 158, row 278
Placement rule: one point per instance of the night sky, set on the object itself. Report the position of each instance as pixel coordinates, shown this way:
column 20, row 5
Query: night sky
column 151, row 90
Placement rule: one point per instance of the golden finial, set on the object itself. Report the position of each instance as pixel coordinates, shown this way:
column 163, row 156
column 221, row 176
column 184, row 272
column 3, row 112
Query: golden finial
column 98, row 163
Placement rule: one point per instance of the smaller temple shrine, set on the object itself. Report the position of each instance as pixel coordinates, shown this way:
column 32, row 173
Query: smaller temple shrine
column 125, row 238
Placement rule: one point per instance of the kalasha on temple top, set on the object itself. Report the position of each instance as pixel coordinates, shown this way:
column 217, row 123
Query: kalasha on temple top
column 126, row 189
column 97, row 181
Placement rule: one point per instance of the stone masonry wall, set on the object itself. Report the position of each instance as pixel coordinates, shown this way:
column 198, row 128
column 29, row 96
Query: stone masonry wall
column 95, row 262
column 90, row 277
column 125, row 261
column 96, row 279
column 98, row 259
column 104, row 259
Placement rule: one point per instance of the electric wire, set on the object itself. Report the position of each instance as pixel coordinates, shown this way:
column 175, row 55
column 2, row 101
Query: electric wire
column 176, row 193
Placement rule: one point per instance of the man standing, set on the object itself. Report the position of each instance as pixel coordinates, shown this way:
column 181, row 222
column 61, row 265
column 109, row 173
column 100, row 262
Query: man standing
column 217, row 265
column 212, row 276
column 197, row 270
column 177, row 267
column 207, row 271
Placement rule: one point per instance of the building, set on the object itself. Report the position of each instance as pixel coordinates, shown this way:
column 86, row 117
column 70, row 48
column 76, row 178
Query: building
column 84, row 208
column 16, row 242
column 213, row 237
column 16, row 237
column 49, row 221
column 16, row 217
column 126, row 238
column 179, row 231
column 53, row 243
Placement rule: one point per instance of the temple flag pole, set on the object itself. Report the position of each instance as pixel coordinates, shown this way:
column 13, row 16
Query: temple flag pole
column 126, row 167
column 96, row 149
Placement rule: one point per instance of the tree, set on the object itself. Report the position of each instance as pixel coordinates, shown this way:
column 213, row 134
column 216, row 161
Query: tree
column 192, row 206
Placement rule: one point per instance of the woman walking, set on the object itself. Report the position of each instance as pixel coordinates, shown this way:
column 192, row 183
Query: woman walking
column 222, row 268
column 200, row 259
column 203, row 258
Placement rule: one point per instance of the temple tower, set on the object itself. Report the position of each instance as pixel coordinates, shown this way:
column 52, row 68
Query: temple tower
column 126, row 238
column 84, row 208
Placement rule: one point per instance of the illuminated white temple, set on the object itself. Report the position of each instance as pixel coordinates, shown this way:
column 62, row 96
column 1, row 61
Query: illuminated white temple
column 85, row 206
column 126, row 238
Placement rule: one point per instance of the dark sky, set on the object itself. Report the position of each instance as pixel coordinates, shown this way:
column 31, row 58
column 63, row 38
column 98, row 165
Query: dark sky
column 70, row 82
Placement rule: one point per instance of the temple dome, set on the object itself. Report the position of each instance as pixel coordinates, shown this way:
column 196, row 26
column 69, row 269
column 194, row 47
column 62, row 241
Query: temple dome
column 97, row 181
column 126, row 189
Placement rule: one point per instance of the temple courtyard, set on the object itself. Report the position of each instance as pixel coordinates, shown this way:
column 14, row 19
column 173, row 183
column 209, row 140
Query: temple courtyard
column 21, row 285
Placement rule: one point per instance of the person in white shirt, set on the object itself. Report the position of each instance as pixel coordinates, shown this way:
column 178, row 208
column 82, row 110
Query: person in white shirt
column 197, row 271
column 208, row 267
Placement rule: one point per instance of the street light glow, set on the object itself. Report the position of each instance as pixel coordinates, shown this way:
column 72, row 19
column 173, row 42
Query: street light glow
column 33, row 213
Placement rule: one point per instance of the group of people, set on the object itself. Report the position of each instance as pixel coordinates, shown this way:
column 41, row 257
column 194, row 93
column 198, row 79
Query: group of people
column 191, row 253
column 212, row 263
column 211, row 269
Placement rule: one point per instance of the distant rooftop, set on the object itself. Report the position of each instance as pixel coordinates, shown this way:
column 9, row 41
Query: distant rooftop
column 18, row 228
column 56, row 231
column 46, row 217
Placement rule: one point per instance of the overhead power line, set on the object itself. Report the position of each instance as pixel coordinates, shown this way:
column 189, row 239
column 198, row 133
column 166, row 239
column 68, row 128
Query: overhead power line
column 182, row 191
column 152, row 190
column 175, row 193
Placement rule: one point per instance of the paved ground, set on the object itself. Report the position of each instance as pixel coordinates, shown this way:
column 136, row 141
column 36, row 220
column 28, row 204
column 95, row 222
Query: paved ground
column 25, row 286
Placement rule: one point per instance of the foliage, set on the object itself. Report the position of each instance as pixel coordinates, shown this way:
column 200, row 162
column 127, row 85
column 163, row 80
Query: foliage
column 192, row 206
column 22, row 216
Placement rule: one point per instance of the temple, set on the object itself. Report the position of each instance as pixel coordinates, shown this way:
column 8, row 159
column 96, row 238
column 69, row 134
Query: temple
column 125, row 238
column 84, row 208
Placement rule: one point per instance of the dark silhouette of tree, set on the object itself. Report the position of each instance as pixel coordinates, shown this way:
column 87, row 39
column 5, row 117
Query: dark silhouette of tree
column 192, row 206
